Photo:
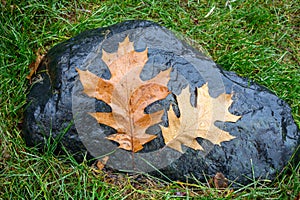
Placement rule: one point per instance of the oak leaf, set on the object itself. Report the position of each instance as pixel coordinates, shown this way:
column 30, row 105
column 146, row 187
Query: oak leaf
column 127, row 94
column 99, row 165
column 219, row 181
column 198, row 121
column 35, row 64
column 102, row 162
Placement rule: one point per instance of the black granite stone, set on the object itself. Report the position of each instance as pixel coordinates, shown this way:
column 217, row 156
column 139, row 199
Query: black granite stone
column 266, row 134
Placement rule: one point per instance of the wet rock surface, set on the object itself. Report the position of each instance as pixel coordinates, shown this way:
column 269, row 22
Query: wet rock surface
column 266, row 135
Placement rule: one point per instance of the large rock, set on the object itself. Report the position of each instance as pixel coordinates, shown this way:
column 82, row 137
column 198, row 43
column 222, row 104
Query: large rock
column 266, row 135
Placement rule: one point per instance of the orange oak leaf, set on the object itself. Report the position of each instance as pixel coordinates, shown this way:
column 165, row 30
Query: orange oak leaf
column 127, row 94
column 198, row 121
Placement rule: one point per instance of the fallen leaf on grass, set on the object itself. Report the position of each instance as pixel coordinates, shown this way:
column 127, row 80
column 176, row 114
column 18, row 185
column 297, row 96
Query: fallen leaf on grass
column 102, row 162
column 4, row 154
column 219, row 181
column 35, row 64
column 98, row 166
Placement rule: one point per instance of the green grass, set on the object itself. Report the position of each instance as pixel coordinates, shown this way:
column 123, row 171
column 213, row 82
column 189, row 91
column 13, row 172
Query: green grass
column 257, row 39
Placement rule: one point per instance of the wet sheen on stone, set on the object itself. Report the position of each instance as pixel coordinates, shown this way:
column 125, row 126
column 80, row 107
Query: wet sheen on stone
column 266, row 134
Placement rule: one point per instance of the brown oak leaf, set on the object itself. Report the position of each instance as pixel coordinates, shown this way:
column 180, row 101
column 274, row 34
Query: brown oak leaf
column 35, row 64
column 198, row 121
column 127, row 94
column 219, row 181
column 102, row 162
